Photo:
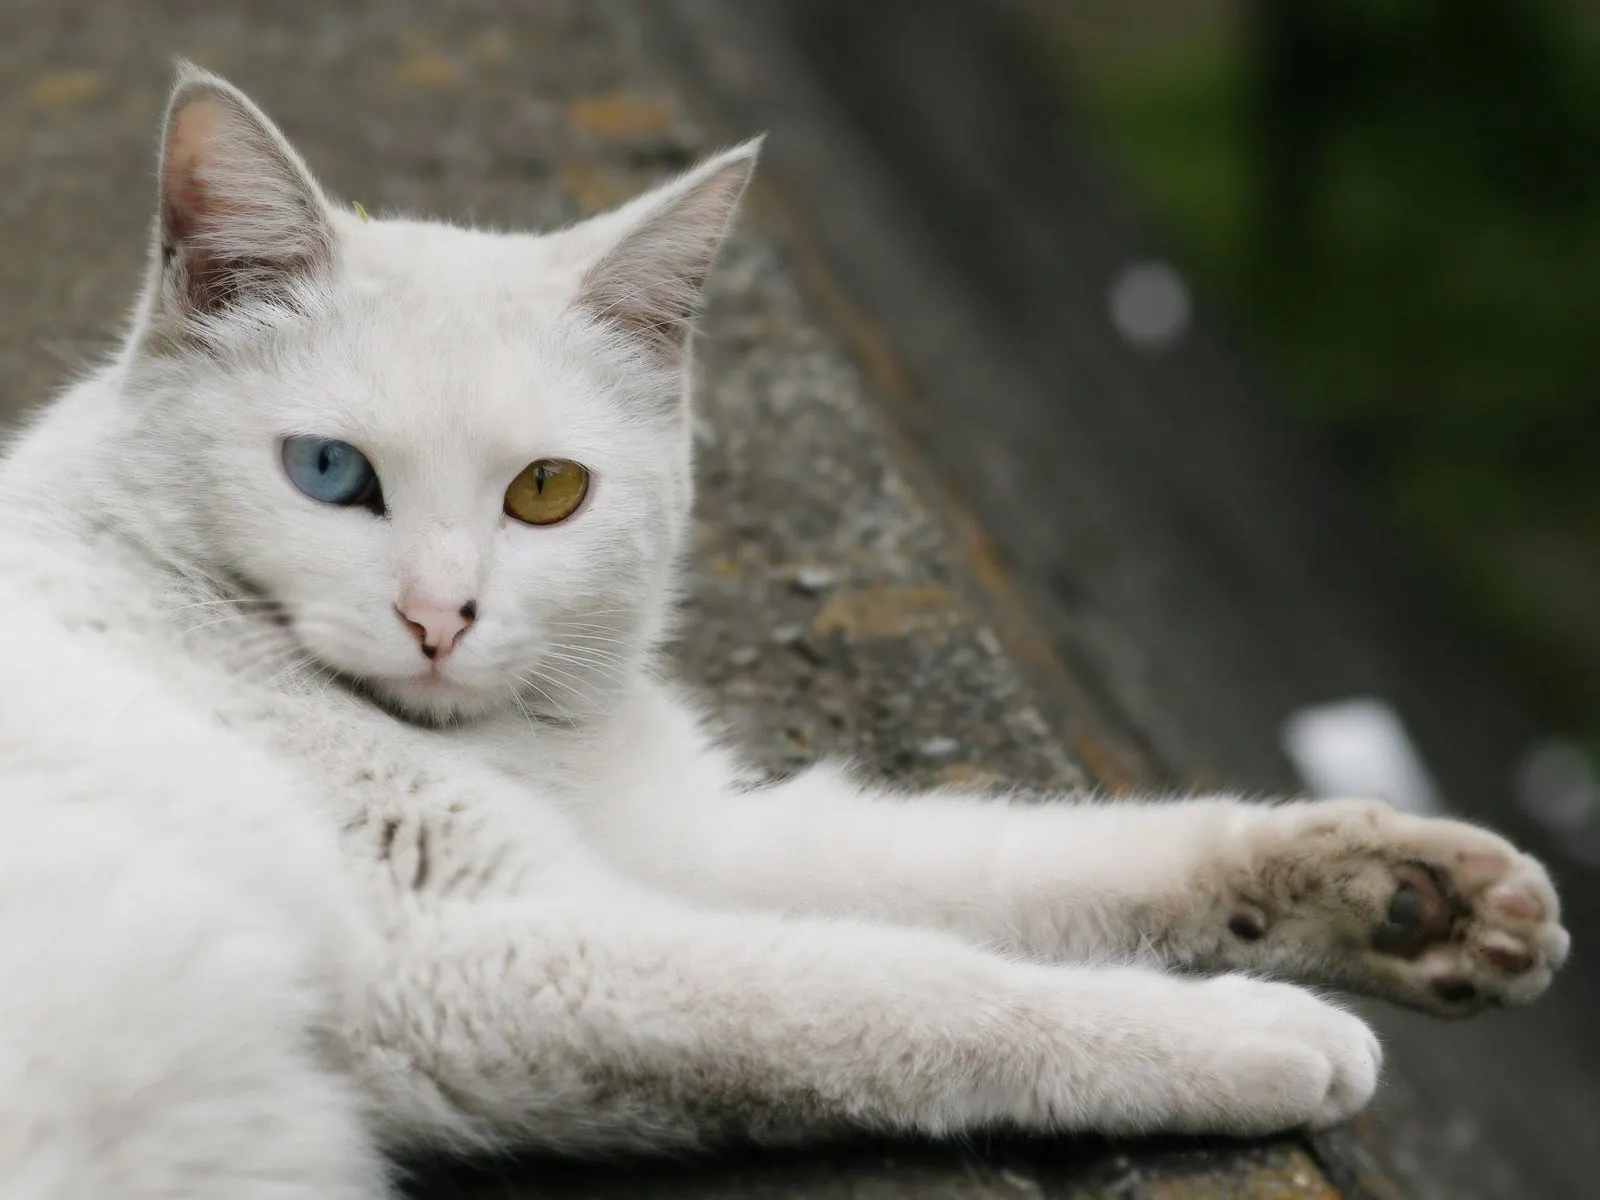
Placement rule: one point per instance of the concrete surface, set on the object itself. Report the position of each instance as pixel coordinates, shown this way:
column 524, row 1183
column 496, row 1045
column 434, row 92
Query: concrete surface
column 846, row 600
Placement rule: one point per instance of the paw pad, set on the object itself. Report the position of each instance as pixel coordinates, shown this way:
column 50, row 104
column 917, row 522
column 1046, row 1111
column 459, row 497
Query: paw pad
column 1454, row 991
column 1470, row 923
column 1419, row 913
column 1445, row 916
column 1518, row 904
column 1246, row 927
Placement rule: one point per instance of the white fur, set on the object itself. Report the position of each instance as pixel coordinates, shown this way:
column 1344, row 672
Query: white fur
column 277, row 894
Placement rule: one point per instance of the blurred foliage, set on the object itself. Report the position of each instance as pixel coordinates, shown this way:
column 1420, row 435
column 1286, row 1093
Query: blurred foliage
column 1398, row 202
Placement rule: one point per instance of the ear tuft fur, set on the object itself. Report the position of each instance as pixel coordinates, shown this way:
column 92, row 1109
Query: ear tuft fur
column 240, row 215
column 648, row 281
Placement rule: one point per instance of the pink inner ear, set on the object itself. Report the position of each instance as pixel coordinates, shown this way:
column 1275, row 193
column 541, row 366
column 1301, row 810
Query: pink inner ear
column 238, row 216
column 182, row 188
column 185, row 204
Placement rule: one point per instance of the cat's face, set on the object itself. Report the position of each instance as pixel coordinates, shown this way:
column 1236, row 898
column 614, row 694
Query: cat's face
column 359, row 472
column 458, row 461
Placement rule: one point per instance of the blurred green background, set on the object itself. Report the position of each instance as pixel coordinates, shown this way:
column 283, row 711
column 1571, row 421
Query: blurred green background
column 1395, row 204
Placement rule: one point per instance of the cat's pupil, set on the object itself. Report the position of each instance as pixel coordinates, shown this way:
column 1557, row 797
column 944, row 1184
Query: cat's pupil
column 325, row 460
column 540, row 474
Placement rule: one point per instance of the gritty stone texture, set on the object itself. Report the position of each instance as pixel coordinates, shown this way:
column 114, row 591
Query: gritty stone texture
column 825, row 612
column 830, row 614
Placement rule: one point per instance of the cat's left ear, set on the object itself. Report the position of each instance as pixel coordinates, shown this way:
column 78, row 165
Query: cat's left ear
column 240, row 215
column 659, row 249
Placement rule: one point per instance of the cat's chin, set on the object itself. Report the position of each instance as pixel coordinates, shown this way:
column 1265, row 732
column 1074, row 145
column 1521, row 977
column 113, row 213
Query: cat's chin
column 432, row 700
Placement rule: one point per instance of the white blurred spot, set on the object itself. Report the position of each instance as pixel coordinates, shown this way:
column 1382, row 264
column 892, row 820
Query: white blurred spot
column 1150, row 305
column 1559, row 787
column 1359, row 748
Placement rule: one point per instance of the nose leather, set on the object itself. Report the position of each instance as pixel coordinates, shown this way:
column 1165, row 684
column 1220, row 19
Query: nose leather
column 437, row 625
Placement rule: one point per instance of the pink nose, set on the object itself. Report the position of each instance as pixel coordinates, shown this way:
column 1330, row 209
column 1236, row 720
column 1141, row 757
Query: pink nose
column 437, row 627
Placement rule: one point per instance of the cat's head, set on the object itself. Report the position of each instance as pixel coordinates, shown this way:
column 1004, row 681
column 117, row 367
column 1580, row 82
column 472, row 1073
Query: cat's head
column 458, row 460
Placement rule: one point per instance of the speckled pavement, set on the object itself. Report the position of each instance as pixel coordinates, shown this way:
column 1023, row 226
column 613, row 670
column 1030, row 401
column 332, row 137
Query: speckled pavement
column 842, row 603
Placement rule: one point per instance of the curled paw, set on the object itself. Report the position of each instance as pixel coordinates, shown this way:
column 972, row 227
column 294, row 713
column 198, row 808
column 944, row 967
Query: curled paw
column 1280, row 1058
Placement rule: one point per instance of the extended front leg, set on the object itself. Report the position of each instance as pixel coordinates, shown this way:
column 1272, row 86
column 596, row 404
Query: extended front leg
column 1435, row 914
column 591, row 1019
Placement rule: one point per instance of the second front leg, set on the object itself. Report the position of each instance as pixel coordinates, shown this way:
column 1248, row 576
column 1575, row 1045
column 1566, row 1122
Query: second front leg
column 591, row 1017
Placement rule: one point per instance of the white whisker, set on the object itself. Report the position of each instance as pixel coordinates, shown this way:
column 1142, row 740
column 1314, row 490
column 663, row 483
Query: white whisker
column 548, row 699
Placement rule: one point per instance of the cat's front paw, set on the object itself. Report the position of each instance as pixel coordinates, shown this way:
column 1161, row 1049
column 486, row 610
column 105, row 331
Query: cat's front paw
column 1435, row 914
column 1285, row 1059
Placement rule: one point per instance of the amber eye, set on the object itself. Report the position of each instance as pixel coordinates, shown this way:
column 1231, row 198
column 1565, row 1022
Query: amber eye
column 547, row 491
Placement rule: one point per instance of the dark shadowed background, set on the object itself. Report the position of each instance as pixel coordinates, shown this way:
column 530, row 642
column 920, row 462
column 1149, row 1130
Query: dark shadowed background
column 1395, row 206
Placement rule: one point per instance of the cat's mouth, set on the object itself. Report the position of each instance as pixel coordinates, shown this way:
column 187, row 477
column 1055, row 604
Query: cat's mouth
column 468, row 685
column 428, row 697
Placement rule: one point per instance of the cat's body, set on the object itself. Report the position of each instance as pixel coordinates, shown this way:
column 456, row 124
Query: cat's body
column 256, row 928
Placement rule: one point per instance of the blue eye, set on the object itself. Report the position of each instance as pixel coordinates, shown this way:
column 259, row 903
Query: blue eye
column 329, row 471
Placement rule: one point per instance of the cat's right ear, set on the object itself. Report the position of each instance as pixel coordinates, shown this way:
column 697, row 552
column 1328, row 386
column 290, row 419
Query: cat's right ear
column 658, row 249
column 241, row 217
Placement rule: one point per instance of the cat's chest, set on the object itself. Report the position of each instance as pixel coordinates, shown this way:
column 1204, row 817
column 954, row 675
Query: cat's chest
column 423, row 815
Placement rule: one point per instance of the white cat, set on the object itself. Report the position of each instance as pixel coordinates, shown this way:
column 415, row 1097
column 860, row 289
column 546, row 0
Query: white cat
column 344, row 813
